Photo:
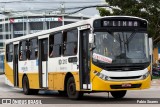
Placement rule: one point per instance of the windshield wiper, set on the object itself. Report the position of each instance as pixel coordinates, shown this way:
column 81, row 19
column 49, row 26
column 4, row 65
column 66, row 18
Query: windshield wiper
column 130, row 37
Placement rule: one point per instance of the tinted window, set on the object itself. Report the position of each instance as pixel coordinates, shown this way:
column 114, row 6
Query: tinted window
column 23, row 50
column 55, row 45
column 33, row 49
column 70, row 39
column 58, row 38
column 9, row 52
column 72, row 36
column 71, row 49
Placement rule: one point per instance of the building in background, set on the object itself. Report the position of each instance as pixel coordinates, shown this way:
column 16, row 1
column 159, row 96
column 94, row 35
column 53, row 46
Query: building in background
column 16, row 26
column 12, row 27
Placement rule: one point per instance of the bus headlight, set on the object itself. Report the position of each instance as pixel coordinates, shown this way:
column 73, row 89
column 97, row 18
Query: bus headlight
column 145, row 75
column 100, row 75
column 106, row 78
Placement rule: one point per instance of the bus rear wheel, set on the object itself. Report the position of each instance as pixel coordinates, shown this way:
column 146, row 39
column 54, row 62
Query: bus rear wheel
column 26, row 89
column 118, row 94
column 71, row 89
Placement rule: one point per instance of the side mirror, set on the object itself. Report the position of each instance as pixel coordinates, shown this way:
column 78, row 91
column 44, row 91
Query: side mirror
column 91, row 38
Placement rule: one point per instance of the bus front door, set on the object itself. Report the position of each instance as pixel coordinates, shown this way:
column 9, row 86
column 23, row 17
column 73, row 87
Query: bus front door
column 15, row 65
column 43, row 62
column 84, row 60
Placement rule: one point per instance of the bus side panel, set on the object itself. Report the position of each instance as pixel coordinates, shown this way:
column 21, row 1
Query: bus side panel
column 56, row 80
column 33, row 80
column 9, row 73
column 50, row 81
column 30, row 68
column 57, row 72
column 77, row 81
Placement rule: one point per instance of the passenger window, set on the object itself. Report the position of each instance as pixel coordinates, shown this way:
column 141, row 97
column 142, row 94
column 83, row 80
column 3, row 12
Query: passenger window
column 23, row 50
column 9, row 52
column 55, row 45
column 33, row 49
column 70, row 39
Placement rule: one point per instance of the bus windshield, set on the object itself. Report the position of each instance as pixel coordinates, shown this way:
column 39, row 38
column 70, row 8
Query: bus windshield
column 121, row 47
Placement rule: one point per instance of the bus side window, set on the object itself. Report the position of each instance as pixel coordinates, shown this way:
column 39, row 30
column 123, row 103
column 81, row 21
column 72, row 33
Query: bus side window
column 9, row 52
column 55, row 45
column 33, row 49
column 70, row 39
column 23, row 50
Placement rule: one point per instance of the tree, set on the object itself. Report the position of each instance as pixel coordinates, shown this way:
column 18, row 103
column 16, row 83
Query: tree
column 147, row 9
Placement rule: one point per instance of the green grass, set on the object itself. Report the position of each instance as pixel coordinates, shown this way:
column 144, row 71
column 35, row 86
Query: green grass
column 155, row 77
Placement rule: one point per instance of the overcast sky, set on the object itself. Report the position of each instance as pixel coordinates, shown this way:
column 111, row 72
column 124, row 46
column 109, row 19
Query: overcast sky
column 52, row 4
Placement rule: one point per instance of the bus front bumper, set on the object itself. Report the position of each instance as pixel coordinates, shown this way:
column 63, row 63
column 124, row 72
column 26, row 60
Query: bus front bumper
column 99, row 84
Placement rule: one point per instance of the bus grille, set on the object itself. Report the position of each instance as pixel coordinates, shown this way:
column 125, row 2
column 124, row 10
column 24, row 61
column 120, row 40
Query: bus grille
column 133, row 77
column 127, row 68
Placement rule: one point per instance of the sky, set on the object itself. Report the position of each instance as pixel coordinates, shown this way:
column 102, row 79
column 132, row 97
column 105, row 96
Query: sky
column 18, row 5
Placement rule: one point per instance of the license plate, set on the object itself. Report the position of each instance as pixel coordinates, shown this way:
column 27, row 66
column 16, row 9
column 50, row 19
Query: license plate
column 126, row 85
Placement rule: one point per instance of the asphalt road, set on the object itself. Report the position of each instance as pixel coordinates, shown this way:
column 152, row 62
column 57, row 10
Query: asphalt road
column 102, row 99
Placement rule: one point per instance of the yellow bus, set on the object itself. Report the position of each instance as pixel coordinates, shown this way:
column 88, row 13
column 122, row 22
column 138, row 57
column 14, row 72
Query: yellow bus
column 106, row 54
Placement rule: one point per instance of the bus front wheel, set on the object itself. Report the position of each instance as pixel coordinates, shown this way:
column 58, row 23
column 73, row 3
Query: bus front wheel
column 118, row 94
column 71, row 89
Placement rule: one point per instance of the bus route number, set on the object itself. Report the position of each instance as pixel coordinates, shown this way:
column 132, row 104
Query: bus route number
column 62, row 61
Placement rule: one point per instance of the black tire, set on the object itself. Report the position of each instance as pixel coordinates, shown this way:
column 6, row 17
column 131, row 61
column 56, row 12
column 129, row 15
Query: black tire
column 63, row 93
column 25, row 85
column 118, row 94
column 26, row 89
column 71, row 90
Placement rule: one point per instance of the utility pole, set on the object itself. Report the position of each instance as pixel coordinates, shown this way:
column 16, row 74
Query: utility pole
column 62, row 8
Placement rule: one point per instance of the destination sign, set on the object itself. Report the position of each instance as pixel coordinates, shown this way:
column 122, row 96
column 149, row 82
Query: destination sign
column 120, row 23
column 116, row 23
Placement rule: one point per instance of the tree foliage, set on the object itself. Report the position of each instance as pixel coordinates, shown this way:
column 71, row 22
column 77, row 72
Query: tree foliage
column 147, row 9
